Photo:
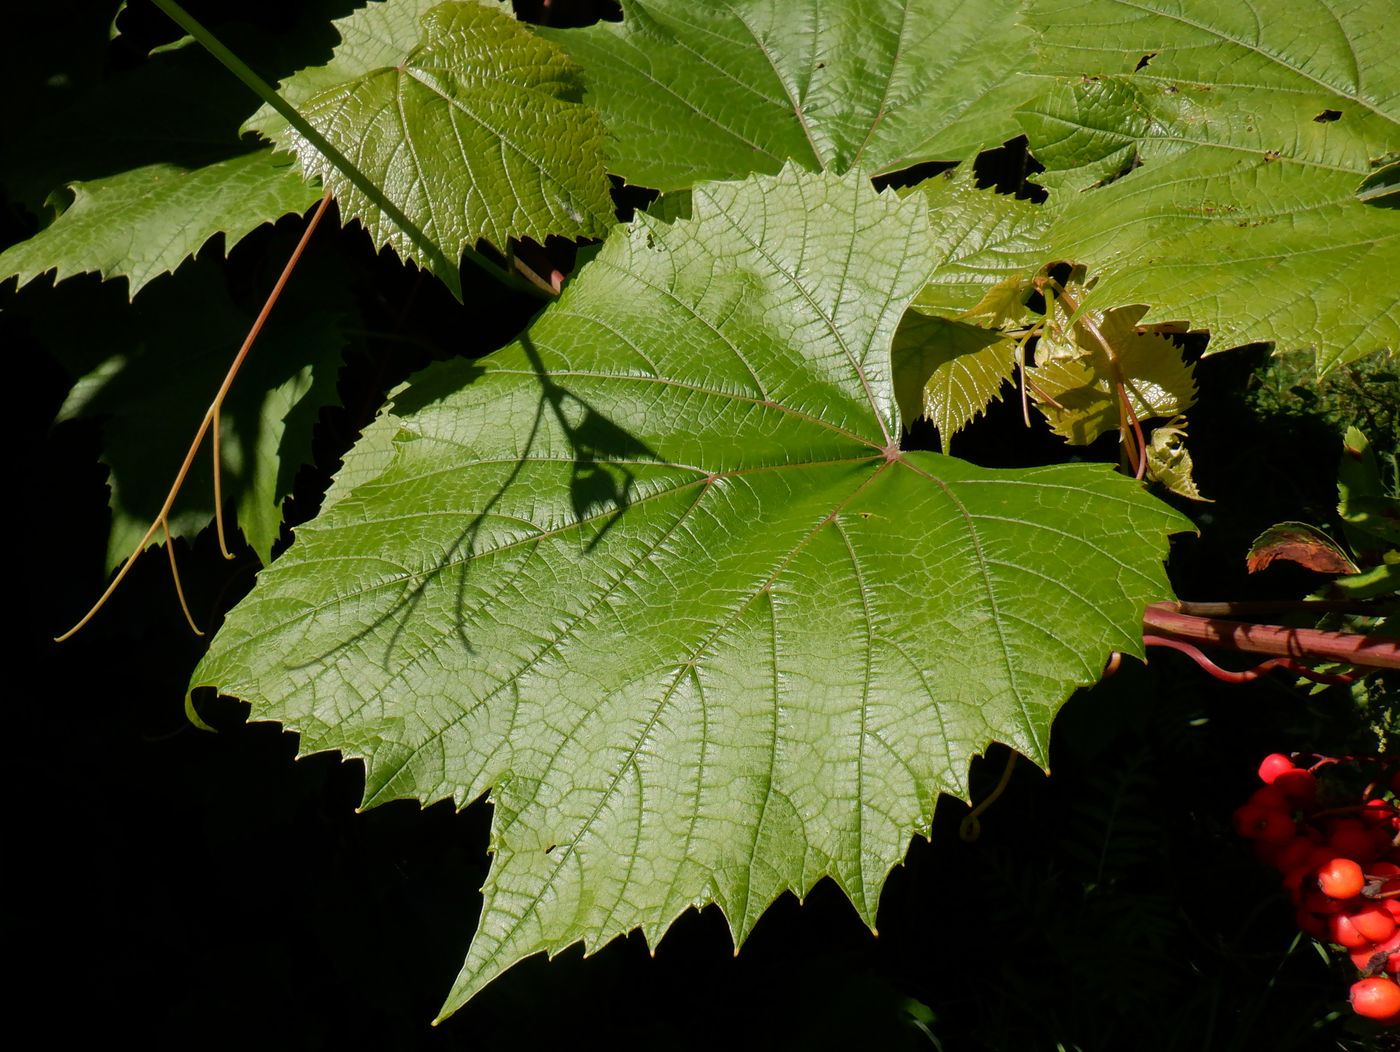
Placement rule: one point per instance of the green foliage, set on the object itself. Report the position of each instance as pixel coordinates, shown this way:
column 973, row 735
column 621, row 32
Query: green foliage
column 658, row 576
column 465, row 120
column 145, row 222
column 1219, row 152
column 746, row 642
column 134, row 370
column 716, row 91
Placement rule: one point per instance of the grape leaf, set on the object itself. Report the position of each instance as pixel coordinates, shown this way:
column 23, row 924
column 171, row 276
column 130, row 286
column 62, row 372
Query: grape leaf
column 717, row 91
column 1300, row 543
column 465, row 120
column 143, row 223
column 949, row 371
column 983, row 240
column 1073, row 383
column 147, row 374
column 1169, row 462
column 658, row 576
column 1220, row 148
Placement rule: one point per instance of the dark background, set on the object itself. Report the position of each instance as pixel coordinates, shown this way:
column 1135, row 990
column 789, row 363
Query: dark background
column 206, row 890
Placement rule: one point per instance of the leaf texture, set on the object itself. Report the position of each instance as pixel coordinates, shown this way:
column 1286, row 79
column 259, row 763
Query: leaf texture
column 1219, row 148
column 466, row 121
column 717, row 91
column 143, row 223
column 982, row 239
column 658, row 577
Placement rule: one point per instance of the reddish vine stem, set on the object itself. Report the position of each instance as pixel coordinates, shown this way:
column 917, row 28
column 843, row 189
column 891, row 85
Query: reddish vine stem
column 1302, row 645
column 211, row 418
column 1248, row 675
column 1129, row 426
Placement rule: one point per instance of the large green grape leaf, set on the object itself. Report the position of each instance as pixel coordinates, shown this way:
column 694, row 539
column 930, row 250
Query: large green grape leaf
column 147, row 372
column 694, row 91
column 467, row 122
column 1219, row 180
column 143, row 223
column 659, row 577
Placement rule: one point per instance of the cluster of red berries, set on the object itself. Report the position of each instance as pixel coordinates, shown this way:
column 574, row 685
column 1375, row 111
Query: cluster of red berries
column 1340, row 866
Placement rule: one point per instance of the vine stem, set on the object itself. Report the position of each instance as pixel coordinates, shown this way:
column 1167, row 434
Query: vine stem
column 445, row 268
column 1129, row 426
column 1248, row 675
column 1301, row 645
column 970, row 828
column 211, row 419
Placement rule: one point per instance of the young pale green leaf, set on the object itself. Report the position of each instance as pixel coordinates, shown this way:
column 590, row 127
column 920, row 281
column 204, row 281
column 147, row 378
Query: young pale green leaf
column 659, row 577
column 145, row 222
column 695, row 91
column 949, row 371
column 1169, row 461
column 147, row 374
column 466, row 121
column 1074, row 384
column 1220, row 147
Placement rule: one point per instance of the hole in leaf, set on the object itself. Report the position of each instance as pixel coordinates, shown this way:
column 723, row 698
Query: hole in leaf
column 1328, row 116
column 1142, row 62
column 1007, row 170
column 912, row 176
column 567, row 14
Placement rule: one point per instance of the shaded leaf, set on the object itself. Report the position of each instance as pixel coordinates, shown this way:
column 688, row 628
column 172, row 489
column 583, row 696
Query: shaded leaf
column 949, row 371
column 1381, row 189
column 989, row 246
column 162, row 361
column 716, row 91
column 464, row 119
column 658, row 578
column 145, row 222
column 1370, row 515
column 180, row 109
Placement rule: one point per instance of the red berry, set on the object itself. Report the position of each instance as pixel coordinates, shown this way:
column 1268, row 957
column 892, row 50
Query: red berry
column 1350, row 839
column 1341, row 878
column 1274, row 765
column 1271, row 824
column 1270, row 797
column 1299, row 788
column 1375, row 998
column 1380, row 957
column 1376, row 812
column 1295, row 853
column 1343, row 932
column 1311, row 924
column 1374, row 921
